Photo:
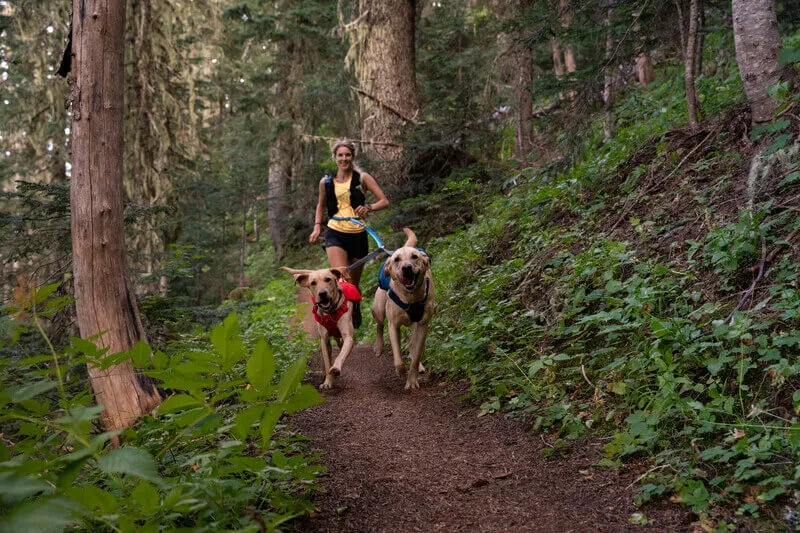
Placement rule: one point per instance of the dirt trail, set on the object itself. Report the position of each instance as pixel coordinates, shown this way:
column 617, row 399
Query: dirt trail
column 421, row 461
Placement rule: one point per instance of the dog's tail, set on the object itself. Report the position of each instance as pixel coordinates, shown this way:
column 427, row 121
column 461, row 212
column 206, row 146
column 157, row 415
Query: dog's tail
column 412, row 238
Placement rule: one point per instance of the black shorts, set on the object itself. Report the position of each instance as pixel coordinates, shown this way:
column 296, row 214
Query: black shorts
column 355, row 244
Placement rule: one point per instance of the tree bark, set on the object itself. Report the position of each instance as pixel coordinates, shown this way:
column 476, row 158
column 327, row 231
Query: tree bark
column 609, row 75
column 523, row 102
column 698, row 57
column 758, row 44
column 644, row 69
column 385, row 68
column 569, row 52
column 280, row 169
column 106, row 307
column 558, row 62
column 689, row 48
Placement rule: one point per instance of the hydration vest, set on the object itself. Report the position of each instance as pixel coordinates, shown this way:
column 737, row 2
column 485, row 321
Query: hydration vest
column 357, row 196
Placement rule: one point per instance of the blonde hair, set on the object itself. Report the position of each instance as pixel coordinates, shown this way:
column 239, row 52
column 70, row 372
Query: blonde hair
column 347, row 144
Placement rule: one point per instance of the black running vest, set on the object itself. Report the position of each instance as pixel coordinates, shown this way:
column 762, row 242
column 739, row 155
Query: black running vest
column 357, row 196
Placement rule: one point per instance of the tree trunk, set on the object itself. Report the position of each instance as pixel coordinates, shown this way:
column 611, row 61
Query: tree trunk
column 644, row 69
column 698, row 57
column 519, row 67
column 385, row 68
column 558, row 62
column 689, row 48
column 280, row 169
column 569, row 53
column 105, row 304
column 758, row 44
column 609, row 75
column 243, row 246
column 523, row 102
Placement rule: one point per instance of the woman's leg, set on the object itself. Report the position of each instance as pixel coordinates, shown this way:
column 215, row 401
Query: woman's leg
column 355, row 274
column 337, row 257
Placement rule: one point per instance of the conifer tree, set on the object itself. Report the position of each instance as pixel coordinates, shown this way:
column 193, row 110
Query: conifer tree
column 106, row 306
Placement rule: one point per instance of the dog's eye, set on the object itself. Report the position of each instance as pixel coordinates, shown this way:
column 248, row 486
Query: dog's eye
column 414, row 256
column 396, row 259
column 327, row 280
column 313, row 283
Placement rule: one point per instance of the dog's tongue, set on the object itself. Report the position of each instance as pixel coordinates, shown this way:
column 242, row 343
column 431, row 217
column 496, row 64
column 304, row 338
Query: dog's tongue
column 408, row 282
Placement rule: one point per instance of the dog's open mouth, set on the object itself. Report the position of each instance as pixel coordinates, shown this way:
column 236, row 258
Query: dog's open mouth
column 408, row 281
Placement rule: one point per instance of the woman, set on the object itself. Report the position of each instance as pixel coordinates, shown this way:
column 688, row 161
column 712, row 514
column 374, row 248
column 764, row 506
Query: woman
column 343, row 196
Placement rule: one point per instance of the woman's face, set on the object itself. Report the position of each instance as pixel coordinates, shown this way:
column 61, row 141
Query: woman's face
column 343, row 158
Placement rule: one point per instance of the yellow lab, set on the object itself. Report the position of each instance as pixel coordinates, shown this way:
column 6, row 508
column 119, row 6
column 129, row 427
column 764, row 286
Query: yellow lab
column 333, row 313
column 407, row 301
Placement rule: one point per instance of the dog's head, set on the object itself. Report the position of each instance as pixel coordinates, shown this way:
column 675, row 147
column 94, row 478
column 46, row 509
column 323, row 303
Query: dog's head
column 323, row 284
column 407, row 267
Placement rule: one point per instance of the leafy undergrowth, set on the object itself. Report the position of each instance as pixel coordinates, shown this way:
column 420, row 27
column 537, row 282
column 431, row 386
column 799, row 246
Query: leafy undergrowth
column 214, row 456
column 635, row 296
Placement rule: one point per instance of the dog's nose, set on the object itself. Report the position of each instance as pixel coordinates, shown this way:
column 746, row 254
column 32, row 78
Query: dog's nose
column 408, row 270
column 322, row 295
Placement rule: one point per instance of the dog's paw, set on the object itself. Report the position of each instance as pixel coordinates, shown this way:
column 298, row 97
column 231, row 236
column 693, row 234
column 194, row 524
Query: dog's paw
column 335, row 371
column 326, row 385
column 400, row 370
column 377, row 350
column 412, row 383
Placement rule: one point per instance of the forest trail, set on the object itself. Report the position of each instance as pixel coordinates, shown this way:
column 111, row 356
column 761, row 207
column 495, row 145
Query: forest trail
column 422, row 461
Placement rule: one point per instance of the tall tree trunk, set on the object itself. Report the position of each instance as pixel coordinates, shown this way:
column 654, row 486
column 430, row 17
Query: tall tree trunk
column 243, row 246
column 105, row 303
column 569, row 52
column 609, row 76
column 558, row 62
column 698, row 57
column 644, row 70
column 280, row 168
column 385, row 68
column 689, row 48
column 519, row 71
column 758, row 44
column 523, row 102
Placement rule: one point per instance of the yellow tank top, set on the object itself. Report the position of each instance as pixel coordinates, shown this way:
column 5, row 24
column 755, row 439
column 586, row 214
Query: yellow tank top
column 342, row 192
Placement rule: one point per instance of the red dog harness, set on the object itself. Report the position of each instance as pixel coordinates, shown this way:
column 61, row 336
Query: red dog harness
column 330, row 322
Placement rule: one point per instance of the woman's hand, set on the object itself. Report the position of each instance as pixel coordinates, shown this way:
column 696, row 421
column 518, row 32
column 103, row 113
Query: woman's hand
column 362, row 211
column 315, row 234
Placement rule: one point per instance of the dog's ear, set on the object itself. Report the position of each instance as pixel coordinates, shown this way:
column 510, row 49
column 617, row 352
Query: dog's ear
column 387, row 267
column 426, row 261
column 300, row 276
column 339, row 272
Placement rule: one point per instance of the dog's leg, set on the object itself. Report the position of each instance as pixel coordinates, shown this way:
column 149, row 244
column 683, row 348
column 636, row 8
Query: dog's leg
column 345, row 348
column 379, row 314
column 416, row 346
column 378, row 345
column 394, row 339
column 325, row 348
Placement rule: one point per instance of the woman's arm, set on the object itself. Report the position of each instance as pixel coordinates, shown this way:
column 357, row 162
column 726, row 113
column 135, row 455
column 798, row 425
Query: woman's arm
column 381, row 202
column 319, row 212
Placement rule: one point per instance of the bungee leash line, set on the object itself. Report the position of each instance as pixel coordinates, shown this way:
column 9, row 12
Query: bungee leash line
column 376, row 252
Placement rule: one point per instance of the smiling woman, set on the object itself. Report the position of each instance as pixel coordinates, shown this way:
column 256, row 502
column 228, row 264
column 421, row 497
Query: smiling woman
column 343, row 195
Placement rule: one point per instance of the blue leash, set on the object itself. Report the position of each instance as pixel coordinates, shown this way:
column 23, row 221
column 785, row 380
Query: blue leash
column 379, row 250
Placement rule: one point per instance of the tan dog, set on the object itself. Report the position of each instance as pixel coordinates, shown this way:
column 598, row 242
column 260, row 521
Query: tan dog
column 408, row 302
column 333, row 314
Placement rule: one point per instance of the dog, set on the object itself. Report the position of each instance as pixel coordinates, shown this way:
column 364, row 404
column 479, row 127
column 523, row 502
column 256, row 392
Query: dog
column 408, row 301
column 333, row 312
